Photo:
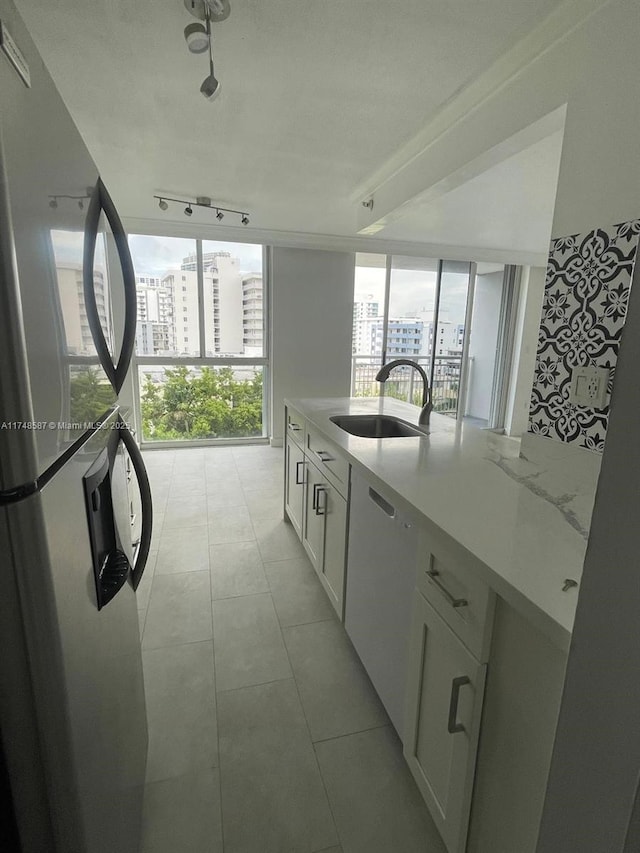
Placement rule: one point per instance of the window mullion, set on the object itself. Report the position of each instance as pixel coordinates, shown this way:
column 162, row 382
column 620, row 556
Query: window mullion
column 200, row 280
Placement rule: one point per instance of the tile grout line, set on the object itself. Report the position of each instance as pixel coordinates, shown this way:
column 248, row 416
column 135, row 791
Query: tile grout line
column 257, row 684
column 313, row 749
column 215, row 688
column 351, row 734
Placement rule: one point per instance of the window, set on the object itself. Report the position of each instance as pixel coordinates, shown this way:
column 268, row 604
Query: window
column 420, row 313
column 185, row 392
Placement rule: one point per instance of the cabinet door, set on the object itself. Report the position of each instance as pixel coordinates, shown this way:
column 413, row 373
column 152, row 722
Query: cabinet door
column 334, row 508
column 294, row 484
column 313, row 527
column 444, row 705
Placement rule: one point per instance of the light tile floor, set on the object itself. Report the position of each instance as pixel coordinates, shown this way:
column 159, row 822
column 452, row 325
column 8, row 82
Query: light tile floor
column 265, row 734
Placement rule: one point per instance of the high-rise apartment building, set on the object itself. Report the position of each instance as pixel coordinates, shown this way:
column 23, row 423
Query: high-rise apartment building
column 252, row 315
column 183, row 285
column 365, row 314
column 447, row 341
column 155, row 329
column 169, row 310
column 74, row 312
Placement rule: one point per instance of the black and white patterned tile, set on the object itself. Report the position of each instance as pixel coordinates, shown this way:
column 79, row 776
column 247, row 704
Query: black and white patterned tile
column 584, row 310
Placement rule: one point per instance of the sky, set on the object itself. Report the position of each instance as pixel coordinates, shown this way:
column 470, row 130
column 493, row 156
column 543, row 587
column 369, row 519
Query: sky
column 158, row 255
column 413, row 292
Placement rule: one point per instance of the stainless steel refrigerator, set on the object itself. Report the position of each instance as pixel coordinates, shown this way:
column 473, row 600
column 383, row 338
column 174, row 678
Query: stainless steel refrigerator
column 73, row 734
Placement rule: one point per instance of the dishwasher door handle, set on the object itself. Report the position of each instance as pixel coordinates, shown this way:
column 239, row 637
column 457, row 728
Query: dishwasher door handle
column 384, row 505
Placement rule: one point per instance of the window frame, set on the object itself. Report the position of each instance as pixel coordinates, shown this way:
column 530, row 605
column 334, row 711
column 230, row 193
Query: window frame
column 505, row 343
column 203, row 360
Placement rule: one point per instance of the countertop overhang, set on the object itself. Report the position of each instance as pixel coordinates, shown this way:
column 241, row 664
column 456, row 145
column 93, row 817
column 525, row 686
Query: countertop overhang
column 524, row 520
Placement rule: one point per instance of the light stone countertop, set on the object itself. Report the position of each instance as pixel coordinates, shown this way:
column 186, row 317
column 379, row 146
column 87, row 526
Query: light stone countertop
column 523, row 513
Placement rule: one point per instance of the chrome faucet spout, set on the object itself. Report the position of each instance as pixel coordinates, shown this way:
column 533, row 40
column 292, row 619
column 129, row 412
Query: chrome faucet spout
column 427, row 405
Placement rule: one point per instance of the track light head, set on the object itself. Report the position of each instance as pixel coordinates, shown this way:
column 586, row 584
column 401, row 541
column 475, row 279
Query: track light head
column 188, row 210
column 162, row 204
column 81, row 204
column 53, row 203
column 210, row 87
column 219, row 215
column 245, row 219
column 197, row 38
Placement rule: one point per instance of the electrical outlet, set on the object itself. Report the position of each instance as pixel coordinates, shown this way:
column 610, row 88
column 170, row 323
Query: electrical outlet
column 589, row 387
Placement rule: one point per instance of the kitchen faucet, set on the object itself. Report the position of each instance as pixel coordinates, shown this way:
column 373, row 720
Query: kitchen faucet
column 427, row 405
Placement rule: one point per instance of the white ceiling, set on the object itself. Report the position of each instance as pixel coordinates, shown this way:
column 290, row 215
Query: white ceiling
column 509, row 204
column 316, row 95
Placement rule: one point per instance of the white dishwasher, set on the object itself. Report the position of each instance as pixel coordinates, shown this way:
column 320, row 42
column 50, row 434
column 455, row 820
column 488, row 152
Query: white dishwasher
column 381, row 578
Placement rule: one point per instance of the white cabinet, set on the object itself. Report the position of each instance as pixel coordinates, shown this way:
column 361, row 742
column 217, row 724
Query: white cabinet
column 381, row 577
column 324, row 533
column 315, row 484
column 444, row 707
column 332, row 566
column 294, row 484
column 313, row 527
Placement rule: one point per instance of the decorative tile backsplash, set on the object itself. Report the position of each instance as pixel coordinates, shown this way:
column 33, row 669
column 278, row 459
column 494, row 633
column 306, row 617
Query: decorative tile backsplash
column 585, row 306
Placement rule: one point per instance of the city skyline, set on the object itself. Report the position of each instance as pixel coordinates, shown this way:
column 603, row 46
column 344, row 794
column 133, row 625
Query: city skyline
column 169, row 308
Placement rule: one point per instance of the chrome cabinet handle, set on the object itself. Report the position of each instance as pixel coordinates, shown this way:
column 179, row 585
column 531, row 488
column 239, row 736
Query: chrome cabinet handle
column 294, row 427
column 434, row 574
column 314, row 501
column 324, row 456
column 299, row 482
column 454, row 727
column 323, row 507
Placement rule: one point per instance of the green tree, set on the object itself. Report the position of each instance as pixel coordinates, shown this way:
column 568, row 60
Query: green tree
column 90, row 396
column 208, row 404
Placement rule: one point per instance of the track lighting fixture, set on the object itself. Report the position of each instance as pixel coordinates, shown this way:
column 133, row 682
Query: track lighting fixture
column 199, row 38
column 201, row 201
column 54, row 199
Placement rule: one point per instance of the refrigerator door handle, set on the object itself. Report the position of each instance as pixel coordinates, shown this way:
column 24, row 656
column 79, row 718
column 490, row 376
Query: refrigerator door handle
column 147, row 505
column 101, row 201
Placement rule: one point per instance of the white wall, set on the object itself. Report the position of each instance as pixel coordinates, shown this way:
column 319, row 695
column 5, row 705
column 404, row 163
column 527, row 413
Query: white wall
column 482, row 344
column 596, row 761
column 312, row 325
column 525, row 348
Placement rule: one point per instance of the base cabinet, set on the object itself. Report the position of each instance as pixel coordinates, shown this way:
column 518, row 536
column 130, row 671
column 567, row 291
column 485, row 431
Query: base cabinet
column 445, row 691
column 294, row 484
column 334, row 554
column 324, row 533
column 313, row 527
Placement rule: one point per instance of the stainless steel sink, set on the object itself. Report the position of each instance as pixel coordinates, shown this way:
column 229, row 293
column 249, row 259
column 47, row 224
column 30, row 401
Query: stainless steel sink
column 377, row 426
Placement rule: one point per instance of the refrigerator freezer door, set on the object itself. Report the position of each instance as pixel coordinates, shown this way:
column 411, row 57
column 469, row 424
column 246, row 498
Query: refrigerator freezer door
column 86, row 668
column 49, row 179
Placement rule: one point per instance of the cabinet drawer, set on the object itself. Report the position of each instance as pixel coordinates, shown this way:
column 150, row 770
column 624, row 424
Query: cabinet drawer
column 295, row 426
column 448, row 580
column 328, row 459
